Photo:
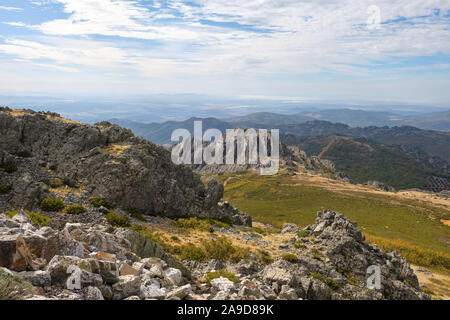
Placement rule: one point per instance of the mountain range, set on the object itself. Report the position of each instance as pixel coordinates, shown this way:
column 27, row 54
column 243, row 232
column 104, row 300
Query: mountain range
column 403, row 156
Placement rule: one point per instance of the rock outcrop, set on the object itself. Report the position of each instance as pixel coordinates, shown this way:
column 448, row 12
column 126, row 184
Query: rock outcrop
column 94, row 261
column 104, row 161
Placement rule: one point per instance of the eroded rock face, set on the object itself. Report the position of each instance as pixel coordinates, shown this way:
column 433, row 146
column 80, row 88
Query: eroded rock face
column 107, row 160
column 122, row 264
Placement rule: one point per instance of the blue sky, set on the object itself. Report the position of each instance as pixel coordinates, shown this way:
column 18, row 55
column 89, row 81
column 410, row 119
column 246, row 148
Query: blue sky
column 309, row 50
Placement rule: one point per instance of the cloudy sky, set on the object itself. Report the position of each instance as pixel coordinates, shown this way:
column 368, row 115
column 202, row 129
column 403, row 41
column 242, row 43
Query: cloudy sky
column 385, row 50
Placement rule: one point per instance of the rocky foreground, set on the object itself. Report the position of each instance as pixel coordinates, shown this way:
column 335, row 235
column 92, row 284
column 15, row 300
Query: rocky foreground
column 115, row 263
column 77, row 200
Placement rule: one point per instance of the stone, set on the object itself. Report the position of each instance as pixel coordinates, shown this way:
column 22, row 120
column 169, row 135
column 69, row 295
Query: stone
column 126, row 287
column 173, row 276
column 58, row 266
column 287, row 293
column 180, row 292
column 125, row 269
column 106, row 291
column 22, row 218
column 108, row 270
column 93, row 293
column 15, row 254
column 13, row 287
column 151, row 289
column 222, row 284
column 104, row 256
column 289, row 228
column 37, row 278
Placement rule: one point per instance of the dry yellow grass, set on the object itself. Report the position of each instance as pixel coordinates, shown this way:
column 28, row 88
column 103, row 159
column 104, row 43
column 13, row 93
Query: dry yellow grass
column 64, row 190
column 116, row 149
column 50, row 117
column 438, row 284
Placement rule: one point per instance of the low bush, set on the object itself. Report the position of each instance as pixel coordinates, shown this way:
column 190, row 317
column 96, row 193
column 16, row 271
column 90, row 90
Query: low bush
column 316, row 254
column 34, row 216
column 299, row 245
column 52, row 205
column 221, row 273
column 135, row 213
column 75, row 209
column 192, row 253
column 4, row 189
column 97, row 202
column 52, row 183
column 118, row 220
column 333, row 285
column 194, row 223
column 220, row 249
column 265, row 257
column 148, row 234
column 8, row 167
column 24, row 154
column 203, row 224
column 414, row 254
column 290, row 257
column 303, row 233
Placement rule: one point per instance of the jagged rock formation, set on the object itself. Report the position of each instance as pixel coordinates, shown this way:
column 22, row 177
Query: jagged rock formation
column 104, row 161
column 114, row 264
column 331, row 263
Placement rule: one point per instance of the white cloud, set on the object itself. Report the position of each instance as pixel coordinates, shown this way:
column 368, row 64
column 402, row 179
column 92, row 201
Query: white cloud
column 280, row 37
column 10, row 8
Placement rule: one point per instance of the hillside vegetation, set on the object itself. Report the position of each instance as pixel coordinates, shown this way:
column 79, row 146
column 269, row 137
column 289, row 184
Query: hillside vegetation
column 411, row 226
column 363, row 160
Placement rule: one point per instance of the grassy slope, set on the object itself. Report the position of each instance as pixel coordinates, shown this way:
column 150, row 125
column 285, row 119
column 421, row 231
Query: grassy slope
column 282, row 198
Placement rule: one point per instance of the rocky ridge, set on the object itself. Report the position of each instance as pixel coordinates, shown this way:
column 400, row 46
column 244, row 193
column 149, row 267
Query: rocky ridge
column 41, row 149
column 94, row 261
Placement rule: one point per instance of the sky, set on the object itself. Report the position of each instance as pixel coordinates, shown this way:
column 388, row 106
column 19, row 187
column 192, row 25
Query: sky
column 385, row 50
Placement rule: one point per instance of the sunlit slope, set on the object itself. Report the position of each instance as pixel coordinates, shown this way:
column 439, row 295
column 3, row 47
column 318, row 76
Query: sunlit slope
column 401, row 220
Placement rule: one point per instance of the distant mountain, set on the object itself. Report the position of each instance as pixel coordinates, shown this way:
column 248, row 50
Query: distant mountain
column 364, row 160
column 160, row 133
column 432, row 121
column 269, row 119
column 434, row 143
column 352, row 117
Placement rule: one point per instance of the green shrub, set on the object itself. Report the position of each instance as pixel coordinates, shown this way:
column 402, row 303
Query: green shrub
column 96, row 202
column 118, row 220
column 221, row 273
column 265, row 257
column 135, row 213
column 290, row 257
column 303, row 233
column 52, row 183
column 34, row 216
column 193, row 253
column 24, row 154
column 316, row 254
column 4, row 189
column 8, row 167
column 204, row 224
column 52, row 205
column 53, row 167
column 299, row 245
column 75, row 209
column 333, row 285
column 220, row 249
column 147, row 233
column 175, row 238
column 194, row 223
